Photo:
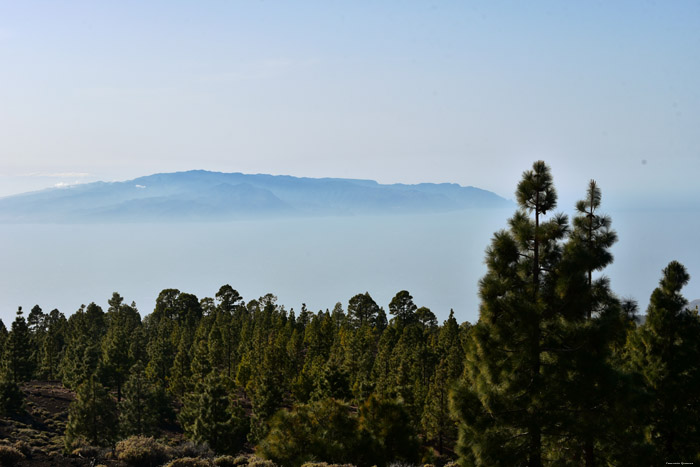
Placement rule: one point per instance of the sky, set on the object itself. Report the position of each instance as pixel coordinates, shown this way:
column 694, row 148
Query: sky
column 411, row 91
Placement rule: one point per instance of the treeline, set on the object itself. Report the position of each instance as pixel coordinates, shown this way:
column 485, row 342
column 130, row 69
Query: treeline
column 220, row 369
column 557, row 371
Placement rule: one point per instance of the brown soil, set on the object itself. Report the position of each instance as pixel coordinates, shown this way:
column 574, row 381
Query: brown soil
column 39, row 431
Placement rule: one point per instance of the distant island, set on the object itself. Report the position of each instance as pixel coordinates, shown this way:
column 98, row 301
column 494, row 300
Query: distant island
column 200, row 195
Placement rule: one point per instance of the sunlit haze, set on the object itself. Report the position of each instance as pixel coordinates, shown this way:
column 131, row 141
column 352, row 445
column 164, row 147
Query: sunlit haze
column 399, row 92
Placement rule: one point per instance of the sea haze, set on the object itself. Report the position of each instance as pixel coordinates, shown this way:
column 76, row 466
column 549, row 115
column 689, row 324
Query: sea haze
column 413, row 237
column 318, row 261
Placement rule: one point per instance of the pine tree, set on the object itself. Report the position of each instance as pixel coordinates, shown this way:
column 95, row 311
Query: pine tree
column 387, row 424
column 18, row 364
column 160, row 352
column 53, row 345
column 382, row 369
column 201, row 365
column 436, row 419
column 180, row 381
column 81, row 357
column 403, row 308
column 450, row 347
column 123, row 321
column 11, row 399
column 37, row 324
column 587, row 377
column 3, row 338
column 665, row 351
column 504, row 414
column 362, row 309
column 137, row 414
column 212, row 418
column 92, row 416
column 323, row 429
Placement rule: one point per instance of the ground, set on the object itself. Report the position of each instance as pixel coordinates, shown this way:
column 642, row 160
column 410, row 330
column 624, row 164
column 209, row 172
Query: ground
column 39, row 432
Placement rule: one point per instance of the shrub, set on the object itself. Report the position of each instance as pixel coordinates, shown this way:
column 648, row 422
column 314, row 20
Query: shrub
column 325, row 464
column 190, row 449
column 324, row 429
column 188, row 462
column 23, row 447
column 257, row 462
column 230, row 461
column 86, row 451
column 10, row 456
column 140, row 451
column 11, row 398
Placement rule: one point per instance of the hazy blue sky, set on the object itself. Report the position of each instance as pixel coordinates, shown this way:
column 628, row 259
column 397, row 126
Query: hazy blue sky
column 466, row 92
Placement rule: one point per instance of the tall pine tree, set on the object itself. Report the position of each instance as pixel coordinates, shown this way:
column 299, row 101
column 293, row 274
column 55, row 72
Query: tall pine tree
column 18, row 363
column 665, row 351
column 509, row 408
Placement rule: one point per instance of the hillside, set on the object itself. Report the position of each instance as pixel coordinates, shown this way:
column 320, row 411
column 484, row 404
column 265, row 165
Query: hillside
column 214, row 196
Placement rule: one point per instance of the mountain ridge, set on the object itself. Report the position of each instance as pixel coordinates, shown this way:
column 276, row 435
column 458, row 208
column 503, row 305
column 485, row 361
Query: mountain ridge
column 200, row 195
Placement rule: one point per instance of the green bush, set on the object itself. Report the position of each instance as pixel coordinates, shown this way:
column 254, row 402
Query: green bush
column 257, row 462
column 324, row 429
column 139, row 451
column 230, row 461
column 190, row 449
column 11, row 398
column 189, row 462
column 10, row 456
column 325, row 464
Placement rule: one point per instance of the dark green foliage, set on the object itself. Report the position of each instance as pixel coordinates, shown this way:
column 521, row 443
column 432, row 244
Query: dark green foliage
column 53, row 345
column 161, row 350
column 137, row 411
column 590, row 384
column 18, row 364
column 333, row 382
column 37, row 324
column 512, row 395
column 362, row 309
column 92, row 417
column 402, row 308
column 437, row 421
column 388, row 432
column 116, row 359
column 665, row 352
column 230, row 301
column 426, row 318
column 3, row 337
column 81, row 356
column 211, row 417
column 319, row 430
column 11, row 399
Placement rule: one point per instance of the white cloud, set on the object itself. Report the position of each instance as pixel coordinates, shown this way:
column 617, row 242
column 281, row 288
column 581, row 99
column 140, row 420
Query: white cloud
column 140, row 186
column 68, row 184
